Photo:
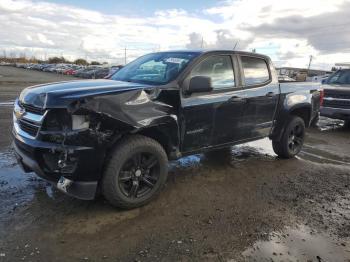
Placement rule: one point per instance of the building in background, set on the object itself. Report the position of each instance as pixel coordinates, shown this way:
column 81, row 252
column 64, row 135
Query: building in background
column 303, row 74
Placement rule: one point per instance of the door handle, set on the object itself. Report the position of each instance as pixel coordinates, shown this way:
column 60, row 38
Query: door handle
column 270, row 94
column 237, row 99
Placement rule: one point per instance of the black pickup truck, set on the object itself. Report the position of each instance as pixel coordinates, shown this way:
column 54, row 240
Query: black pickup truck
column 336, row 103
column 116, row 135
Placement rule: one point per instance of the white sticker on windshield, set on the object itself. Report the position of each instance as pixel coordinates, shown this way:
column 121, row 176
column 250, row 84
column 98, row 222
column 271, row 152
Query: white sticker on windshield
column 174, row 60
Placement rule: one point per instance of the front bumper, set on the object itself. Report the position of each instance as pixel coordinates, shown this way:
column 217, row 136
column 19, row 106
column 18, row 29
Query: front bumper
column 80, row 182
column 336, row 113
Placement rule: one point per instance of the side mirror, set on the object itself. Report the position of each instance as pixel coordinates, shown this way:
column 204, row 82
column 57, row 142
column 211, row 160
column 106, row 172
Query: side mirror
column 199, row 84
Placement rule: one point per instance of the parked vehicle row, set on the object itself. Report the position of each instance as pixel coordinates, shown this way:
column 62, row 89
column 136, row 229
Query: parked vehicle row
column 88, row 72
column 2, row 63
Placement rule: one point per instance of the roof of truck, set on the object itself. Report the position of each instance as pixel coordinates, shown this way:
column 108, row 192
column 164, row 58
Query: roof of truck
column 203, row 51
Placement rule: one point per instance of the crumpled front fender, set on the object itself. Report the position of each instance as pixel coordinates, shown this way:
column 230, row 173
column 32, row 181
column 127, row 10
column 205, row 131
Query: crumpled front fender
column 138, row 111
column 135, row 108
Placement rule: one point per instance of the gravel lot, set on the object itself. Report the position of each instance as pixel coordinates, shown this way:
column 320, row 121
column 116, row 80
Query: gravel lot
column 242, row 204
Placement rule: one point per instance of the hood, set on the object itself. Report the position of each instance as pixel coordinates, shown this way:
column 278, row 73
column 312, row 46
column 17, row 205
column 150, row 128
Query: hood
column 61, row 94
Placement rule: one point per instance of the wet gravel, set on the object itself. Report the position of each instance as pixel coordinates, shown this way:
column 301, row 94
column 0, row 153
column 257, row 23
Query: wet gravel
column 242, row 204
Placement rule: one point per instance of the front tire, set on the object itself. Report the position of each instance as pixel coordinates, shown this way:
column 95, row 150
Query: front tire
column 135, row 173
column 292, row 139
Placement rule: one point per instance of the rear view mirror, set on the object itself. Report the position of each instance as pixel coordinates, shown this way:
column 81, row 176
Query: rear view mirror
column 200, row 84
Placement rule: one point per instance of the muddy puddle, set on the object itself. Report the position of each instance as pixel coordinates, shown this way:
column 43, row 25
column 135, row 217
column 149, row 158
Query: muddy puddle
column 299, row 243
column 261, row 149
column 283, row 190
column 16, row 187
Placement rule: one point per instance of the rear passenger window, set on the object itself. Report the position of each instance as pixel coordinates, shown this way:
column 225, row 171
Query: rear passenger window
column 255, row 70
column 219, row 69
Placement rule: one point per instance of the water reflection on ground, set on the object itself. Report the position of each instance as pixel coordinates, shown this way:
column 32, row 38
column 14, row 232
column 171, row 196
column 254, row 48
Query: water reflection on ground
column 298, row 244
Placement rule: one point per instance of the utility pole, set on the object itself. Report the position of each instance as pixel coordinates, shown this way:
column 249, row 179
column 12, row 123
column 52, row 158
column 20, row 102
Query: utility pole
column 125, row 56
column 308, row 68
column 234, row 48
column 202, row 43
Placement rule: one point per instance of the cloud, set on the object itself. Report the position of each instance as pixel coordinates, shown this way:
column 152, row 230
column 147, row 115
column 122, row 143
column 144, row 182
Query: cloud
column 288, row 31
column 53, row 29
column 224, row 39
column 43, row 39
column 291, row 31
column 196, row 41
column 327, row 33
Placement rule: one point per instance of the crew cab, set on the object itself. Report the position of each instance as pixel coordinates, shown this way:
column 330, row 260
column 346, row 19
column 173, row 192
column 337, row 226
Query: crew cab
column 116, row 136
column 336, row 102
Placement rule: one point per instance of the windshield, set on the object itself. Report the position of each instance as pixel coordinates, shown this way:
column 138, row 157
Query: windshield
column 156, row 68
column 341, row 77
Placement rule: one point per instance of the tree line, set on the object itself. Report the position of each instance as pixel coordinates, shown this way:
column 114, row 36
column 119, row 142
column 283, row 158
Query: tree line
column 50, row 60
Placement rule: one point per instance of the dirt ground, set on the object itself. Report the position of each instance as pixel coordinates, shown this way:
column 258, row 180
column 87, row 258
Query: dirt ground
column 242, row 204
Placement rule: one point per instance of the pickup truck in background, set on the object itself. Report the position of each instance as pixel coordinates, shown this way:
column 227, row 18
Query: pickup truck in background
column 115, row 136
column 336, row 102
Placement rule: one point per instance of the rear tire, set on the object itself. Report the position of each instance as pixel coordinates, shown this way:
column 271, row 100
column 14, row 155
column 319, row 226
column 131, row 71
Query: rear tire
column 135, row 173
column 292, row 138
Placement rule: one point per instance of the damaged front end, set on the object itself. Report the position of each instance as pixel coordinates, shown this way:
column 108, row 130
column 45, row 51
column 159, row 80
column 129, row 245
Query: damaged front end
column 68, row 145
column 61, row 146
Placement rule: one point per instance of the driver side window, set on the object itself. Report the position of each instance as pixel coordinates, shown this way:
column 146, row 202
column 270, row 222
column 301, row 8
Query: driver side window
column 219, row 69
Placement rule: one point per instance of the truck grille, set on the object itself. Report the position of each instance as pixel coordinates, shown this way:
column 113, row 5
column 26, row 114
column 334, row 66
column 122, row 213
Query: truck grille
column 27, row 119
column 32, row 109
column 340, row 96
column 336, row 103
column 28, row 127
column 337, row 98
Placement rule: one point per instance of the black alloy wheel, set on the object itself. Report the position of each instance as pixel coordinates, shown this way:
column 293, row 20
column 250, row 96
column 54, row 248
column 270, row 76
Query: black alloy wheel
column 292, row 139
column 296, row 139
column 135, row 173
column 139, row 175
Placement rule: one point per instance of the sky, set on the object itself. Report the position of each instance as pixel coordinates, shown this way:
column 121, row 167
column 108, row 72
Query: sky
column 106, row 30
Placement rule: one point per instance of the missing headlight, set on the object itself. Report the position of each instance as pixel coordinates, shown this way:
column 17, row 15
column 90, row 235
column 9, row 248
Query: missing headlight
column 80, row 122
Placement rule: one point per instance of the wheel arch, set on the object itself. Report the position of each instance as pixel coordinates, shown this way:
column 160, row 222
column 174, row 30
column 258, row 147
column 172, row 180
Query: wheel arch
column 301, row 110
column 167, row 135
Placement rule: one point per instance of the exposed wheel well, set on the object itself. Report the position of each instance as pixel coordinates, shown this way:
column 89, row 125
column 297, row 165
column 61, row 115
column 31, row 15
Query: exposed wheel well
column 159, row 136
column 304, row 113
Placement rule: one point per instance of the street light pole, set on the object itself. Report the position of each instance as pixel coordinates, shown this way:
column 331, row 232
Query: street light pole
column 308, row 68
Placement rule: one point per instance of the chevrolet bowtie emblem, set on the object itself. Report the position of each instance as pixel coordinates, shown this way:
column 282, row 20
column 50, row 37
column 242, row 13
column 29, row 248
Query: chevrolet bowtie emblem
column 19, row 112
